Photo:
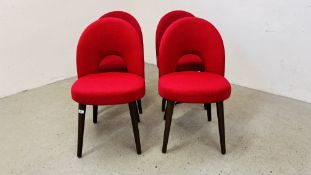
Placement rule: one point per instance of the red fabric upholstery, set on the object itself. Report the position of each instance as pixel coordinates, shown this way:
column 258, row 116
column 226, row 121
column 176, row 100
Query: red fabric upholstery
column 195, row 38
column 194, row 87
column 103, row 40
column 108, row 88
column 109, row 36
column 112, row 63
column 185, row 63
column 166, row 21
column 127, row 17
column 190, row 62
column 118, row 65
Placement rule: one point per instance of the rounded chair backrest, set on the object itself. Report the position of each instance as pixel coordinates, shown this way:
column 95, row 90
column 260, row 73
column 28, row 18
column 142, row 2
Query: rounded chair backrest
column 192, row 37
column 127, row 17
column 166, row 21
column 109, row 37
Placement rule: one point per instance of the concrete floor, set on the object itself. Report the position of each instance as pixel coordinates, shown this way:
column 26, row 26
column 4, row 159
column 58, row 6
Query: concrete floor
column 265, row 134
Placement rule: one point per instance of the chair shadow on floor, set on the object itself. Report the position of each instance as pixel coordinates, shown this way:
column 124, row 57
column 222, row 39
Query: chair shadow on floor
column 184, row 126
column 111, row 119
column 239, row 112
column 193, row 122
column 115, row 120
column 151, row 122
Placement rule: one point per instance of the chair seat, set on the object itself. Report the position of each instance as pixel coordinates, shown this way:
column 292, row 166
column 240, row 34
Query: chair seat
column 112, row 63
column 108, row 88
column 190, row 62
column 194, row 87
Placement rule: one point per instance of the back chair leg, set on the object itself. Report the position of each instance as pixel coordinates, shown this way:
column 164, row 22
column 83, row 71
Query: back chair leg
column 163, row 104
column 140, row 109
column 208, row 108
column 81, row 121
column 134, row 117
column 221, row 126
column 95, row 111
column 168, row 120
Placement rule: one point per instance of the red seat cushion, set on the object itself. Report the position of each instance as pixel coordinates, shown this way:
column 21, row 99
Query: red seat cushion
column 108, row 88
column 190, row 62
column 194, row 87
column 112, row 63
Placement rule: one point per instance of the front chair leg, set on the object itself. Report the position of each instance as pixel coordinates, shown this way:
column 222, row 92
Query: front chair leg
column 140, row 109
column 137, row 114
column 81, row 121
column 168, row 120
column 134, row 117
column 163, row 105
column 208, row 108
column 95, row 111
column 221, row 126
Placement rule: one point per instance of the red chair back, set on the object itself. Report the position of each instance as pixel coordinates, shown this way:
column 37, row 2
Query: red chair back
column 166, row 21
column 127, row 17
column 108, row 37
column 193, row 37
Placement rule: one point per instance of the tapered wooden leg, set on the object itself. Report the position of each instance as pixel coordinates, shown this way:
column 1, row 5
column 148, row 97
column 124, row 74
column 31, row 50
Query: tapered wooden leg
column 168, row 121
column 137, row 114
column 208, row 108
column 95, row 110
column 140, row 109
column 134, row 117
column 221, row 126
column 163, row 105
column 81, row 120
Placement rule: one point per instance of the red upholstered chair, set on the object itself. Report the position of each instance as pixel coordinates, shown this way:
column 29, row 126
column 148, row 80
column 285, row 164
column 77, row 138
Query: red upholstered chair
column 193, row 37
column 114, row 64
column 109, row 38
column 187, row 63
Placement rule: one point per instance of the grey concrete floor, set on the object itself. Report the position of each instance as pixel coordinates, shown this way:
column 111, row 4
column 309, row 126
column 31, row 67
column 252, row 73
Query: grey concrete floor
column 265, row 134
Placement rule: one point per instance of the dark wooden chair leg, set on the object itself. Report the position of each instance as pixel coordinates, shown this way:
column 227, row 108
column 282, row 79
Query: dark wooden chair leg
column 137, row 114
column 221, row 126
column 134, row 117
column 168, row 121
column 140, row 109
column 95, row 111
column 208, row 108
column 163, row 104
column 81, row 121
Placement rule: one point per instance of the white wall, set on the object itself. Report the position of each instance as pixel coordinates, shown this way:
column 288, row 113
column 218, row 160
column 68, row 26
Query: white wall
column 38, row 39
column 267, row 42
